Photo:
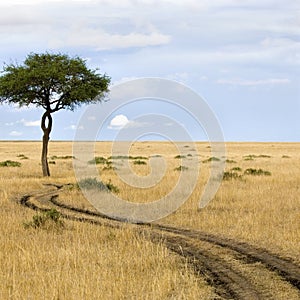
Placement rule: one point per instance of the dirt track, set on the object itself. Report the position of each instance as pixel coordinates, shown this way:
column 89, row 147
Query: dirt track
column 207, row 254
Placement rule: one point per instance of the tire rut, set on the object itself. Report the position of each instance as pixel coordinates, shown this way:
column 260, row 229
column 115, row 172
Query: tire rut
column 228, row 282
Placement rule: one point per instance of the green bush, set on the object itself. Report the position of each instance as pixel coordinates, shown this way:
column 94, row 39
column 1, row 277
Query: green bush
column 93, row 183
column 179, row 156
column 45, row 220
column 211, row 159
column 139, row 162
column 10, row 163
column 257, row 172
column 238, row 169
column 127, row 157
column 231, row 175
column 62, row 157
column 181, row 168
column 252, row 156
column 22, row 156
column 230, row 161
column 98, row 160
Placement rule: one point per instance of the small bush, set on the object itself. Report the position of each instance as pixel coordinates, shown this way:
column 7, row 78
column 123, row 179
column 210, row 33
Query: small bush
column 138, row 157
column 257, row 172
column 139, row 162
column 45, row 220
column 181, row 168
column 211, row 159
column 10, row 163
column 112, row 187
column 231, row 176
column 108, row 168
column 51, row 162
column 62, row 157
column 179, row 156
column 22, row 156
column 93, row 183
column 285, row 156
column 230, row 161
column 237, row 169
column 127, row 157
column 189, row 155
column 252, row 156
column 98, row 160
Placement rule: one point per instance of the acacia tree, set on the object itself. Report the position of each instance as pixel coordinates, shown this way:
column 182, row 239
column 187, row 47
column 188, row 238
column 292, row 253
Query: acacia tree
column 53, row 82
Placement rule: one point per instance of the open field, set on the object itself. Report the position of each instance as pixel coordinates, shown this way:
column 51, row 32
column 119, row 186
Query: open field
column 119, row 261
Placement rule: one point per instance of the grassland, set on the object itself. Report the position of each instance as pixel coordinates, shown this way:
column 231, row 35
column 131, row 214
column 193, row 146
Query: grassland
column 83, row 261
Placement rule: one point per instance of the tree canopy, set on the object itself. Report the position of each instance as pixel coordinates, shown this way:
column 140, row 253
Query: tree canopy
column 53, row 82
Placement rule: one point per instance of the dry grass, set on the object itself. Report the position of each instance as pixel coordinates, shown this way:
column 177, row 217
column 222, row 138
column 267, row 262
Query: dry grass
column 85, row 261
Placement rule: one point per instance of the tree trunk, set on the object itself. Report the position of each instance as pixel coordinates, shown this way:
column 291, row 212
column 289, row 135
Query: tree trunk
column 46, row 137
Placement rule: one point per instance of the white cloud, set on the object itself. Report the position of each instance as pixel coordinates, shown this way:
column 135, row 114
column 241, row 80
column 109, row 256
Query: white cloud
column 98, row 39
column 15, row 133
column 243, row 82
column 31, row 123
column 118, row 122
column 121, row 121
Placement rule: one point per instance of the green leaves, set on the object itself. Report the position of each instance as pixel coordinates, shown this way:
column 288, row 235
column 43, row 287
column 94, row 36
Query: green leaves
column 52, row 81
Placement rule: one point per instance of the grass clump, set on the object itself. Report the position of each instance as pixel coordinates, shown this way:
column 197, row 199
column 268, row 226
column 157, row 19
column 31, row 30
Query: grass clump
column 252, row 156
column 127, row 157
column 46, row 220
column 181, row 168
column 93, row 183
column 230, row 175
column 10, row 163
column 62, row 157
column 179, row 156
column 22, row 156
column 230, row 161
column 98, row 160
column 257, row 172
column 139, row 162
column 213, row 158
column 237, row 169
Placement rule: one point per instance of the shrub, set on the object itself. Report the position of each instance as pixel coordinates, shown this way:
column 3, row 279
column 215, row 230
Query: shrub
column 22, row 156
column 62, row 157
column 127, row 157
column 211, row 159
column 93, row 183
column 98, row 160
column 257, row 172
column 231, row 175
column 179, row 156
column 139, row 162
column 46, row 220
column 238, row 169
column 252, row 156
column 10, row 163
column 285, row 156
column 112, row 187
column 181, row 168
column 230, row 161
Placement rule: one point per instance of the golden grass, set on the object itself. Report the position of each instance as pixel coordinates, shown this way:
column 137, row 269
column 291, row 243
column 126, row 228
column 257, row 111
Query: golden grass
column 85, row 261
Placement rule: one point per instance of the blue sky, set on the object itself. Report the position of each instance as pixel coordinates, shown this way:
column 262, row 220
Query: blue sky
column 242, row 57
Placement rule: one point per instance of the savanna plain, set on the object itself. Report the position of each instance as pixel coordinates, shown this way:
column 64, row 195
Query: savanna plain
column 257, row 203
